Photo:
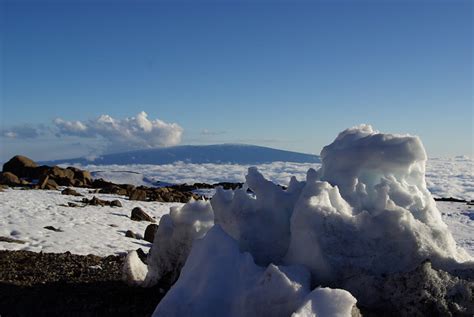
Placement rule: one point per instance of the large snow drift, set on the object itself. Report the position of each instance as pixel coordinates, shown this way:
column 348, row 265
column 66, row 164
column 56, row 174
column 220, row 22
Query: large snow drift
column 365, row 213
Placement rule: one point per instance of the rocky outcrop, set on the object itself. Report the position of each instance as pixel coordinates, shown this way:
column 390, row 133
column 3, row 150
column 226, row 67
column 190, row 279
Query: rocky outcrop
column 47, row 177
column 163, row 194
column 94, row 201
column 9, row 179
column 22, row 171
column 21, row 166
column 139, row 215
column 45, row 182
column 71, row 192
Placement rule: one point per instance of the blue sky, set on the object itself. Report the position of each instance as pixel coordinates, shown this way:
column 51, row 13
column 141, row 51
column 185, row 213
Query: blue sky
column 279, row 74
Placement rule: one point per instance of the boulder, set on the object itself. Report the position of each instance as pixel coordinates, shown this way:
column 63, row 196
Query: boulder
column 53, row 229
column 45, row 182
column 139, row 215
column 113, row 189
column 94, row 201
column 21, row 166
column 142, row 255
column 150, row 232
column 70, row 191
column 115, row 203
column 58, row 172
column 138, row 194
column 130, row 234
column 82, row 176
column 8, row 178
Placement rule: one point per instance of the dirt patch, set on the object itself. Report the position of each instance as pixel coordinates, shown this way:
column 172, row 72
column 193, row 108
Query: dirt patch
column 64, row 284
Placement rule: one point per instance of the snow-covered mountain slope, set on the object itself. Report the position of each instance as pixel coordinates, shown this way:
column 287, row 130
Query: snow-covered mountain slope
column 221, row 153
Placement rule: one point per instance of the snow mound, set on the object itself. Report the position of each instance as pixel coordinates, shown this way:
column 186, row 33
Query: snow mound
column 231, row 284
column 171, row 245
column 366, row 212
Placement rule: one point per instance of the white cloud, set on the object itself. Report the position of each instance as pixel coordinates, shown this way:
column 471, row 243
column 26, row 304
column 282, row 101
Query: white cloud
column 124, row 134
column 22, row 132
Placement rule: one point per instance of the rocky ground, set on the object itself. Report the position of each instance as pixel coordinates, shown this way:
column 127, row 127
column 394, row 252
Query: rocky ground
column 64, row 284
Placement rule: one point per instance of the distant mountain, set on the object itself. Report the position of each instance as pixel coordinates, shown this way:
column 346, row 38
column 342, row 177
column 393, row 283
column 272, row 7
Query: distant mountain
column 222, row 153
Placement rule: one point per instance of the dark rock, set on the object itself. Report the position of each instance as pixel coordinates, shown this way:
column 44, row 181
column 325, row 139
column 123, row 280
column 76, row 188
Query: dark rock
column 40, row 171
column 101, row 183
column 451, row 199
column 150, row 232
column 70, row 191
column 138, row 194
column 77, row 183
column 58, row 172
column 51, row 184
column 94, row 201
column 43, row 181
column 70, row 204
column 227, row 185
column 115, row 203
column 21, row 166
column 114, row 189
column 130, row 234
column 53, row 229
column 81, row 176
column 139, row 215
column 47, row 183
column 10, row 240
column 8, row 178
column 142, row 255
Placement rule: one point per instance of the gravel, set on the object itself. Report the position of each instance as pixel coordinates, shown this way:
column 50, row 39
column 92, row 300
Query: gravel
column 64, row 284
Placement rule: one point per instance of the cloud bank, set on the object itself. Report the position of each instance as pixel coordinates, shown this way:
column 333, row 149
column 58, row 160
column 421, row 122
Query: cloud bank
column 123, row 134
column 22, row 132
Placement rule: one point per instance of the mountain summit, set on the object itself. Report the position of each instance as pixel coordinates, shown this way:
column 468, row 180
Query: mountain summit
column 222, row 153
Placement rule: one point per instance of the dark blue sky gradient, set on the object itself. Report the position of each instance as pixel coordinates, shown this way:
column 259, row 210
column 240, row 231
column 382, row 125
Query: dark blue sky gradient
column 280, row 74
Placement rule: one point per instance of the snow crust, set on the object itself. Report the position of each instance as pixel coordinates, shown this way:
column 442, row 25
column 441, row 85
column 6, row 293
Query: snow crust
column 365, row 212
column 85, row 230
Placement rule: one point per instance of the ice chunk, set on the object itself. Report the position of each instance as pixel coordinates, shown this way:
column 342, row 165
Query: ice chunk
column 219, row 280
column 172, row 243
column 261, row 225
column 327, row 302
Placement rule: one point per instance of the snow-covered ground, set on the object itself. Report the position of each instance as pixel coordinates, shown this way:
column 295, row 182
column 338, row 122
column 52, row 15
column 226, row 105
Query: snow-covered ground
column 101, row 230
column 86, row 230
column 460, row 220
column 445, row 177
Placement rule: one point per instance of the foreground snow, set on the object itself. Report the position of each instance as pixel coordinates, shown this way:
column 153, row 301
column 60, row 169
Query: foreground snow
column 86, row 230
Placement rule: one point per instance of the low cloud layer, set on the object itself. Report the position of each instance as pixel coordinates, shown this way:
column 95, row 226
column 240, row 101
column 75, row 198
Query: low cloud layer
column 123, row 134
